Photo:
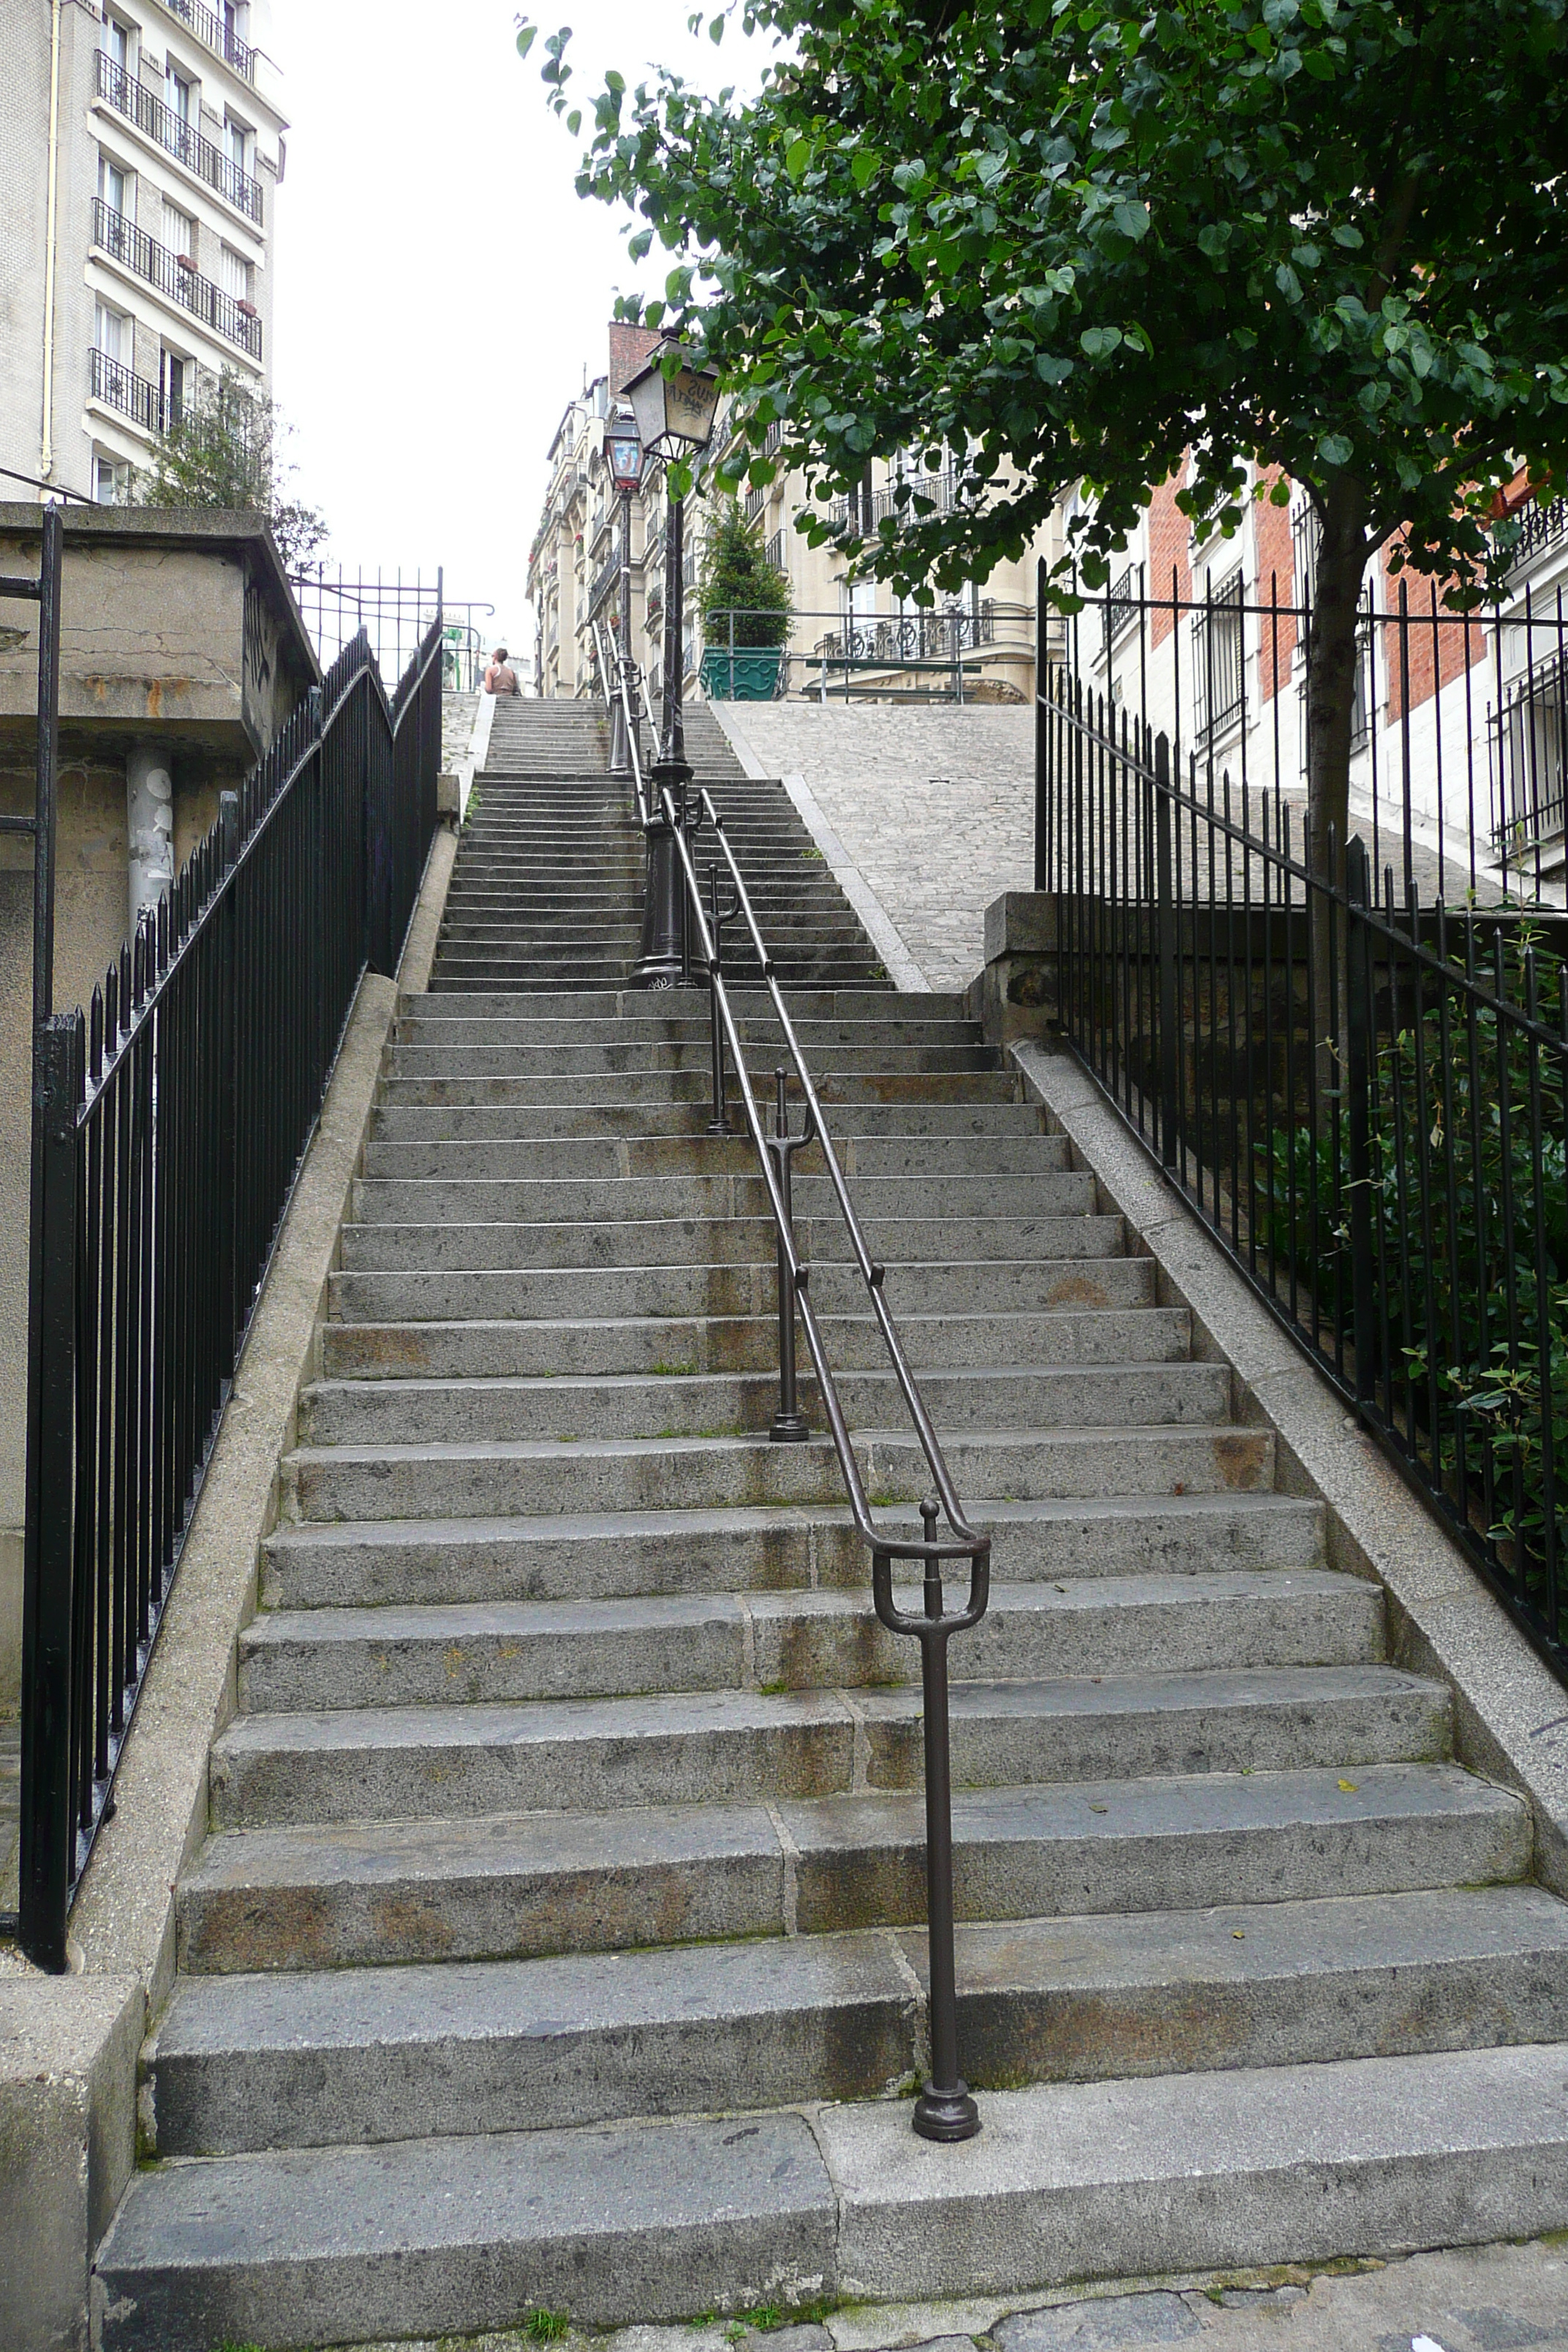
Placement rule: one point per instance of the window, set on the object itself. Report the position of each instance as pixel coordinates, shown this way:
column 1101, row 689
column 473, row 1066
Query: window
column 1219, row 665
column 234, row 274
column 182, row 99
column 117, row 43
column 235, row 143
column 109, row 479
column 113, row 185
column 171, row 387
column 179, row 230
column 1532, row 731
column 109, row 333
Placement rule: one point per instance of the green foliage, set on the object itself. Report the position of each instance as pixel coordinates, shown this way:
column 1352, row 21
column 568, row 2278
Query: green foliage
column 1458, row 1263
column 738, row 578
column 224, row 451
column 1076, row 238
column 547, row 2326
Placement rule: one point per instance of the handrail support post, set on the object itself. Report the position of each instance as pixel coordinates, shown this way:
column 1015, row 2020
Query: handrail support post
column 790, row 1426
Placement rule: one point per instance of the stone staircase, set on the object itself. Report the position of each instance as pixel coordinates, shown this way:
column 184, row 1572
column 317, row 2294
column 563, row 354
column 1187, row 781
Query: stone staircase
column 557, row 1942
column 548, row 883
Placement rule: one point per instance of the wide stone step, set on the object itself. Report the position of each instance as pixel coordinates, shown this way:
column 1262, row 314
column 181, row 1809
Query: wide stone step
column 645, row 1242
column 653, row 1088
column 910, row 1125
column 664, row 1345
column 389, row 2053
column 1039, row 1285
column 673, row 1748
column 548, row 1476
column 587, row 1159
column 414, row 1063
column 375, row 1892
column 398, row 1562
column 415, row 1412
column 653, row 1027
column 474, row 1654
column 528, row 1199
column 676, row 1004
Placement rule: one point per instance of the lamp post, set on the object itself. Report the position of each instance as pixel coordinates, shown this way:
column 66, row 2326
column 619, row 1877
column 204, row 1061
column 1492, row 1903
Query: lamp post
column 674, row 405
column 628, row 460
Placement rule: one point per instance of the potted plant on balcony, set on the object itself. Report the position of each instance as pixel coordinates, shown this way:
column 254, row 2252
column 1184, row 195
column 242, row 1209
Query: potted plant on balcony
column 747, row 613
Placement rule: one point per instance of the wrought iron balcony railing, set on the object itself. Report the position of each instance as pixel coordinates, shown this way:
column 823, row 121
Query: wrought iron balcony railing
column 217, row 33
column 775, row 551
column 120, row 387
column 1540, row 527
column 147, row 110
column 175, row 274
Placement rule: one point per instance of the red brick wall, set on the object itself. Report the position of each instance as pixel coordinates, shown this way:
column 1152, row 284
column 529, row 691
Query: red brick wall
column 630, row 348
column 1275, row 542
column 1435, row 652
column 1170, row 550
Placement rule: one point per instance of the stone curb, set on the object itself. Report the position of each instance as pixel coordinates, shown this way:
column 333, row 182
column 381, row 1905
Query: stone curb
column 1511, row 1714
column 902, row 970
column 69, row 2046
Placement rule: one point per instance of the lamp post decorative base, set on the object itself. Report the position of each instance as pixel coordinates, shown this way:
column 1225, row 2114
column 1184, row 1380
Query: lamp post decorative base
column 946, row 2115
column 662, row 961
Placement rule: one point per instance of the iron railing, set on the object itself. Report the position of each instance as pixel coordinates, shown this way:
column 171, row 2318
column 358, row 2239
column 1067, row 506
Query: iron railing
column 134, row 396
column 913, row 654
column 394, row 610
column 1457, row 726
column 143, row 107
column 175, row 274
column 945, row 2111
column 1540, row 527
column 217, row 33
column 1360, row 1090
column 173, row 1117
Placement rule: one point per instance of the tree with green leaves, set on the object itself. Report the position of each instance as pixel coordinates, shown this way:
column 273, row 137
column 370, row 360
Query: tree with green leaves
column 738, row 578
column 224, row 450
column 1074, row 241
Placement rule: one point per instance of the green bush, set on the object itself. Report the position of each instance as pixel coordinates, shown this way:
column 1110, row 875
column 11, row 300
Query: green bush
column 1455, row 1268
column 738, row 578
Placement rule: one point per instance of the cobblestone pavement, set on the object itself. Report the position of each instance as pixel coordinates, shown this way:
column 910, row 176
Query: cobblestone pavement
column 935, row 806
column 1504, row 2298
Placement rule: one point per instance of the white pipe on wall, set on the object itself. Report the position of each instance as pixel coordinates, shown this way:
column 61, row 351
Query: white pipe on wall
column 149, row 810
column 46, row 443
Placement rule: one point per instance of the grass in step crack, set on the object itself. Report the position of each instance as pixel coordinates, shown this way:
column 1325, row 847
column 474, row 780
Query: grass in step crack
column 547, row 2326
column 672, row 1372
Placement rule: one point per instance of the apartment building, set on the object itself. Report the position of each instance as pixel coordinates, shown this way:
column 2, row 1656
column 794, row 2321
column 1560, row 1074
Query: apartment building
column 850, row 639
column 141, row 150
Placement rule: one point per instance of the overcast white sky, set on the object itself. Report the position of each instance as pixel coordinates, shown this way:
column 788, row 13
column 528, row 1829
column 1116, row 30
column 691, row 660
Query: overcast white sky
column 439, row 284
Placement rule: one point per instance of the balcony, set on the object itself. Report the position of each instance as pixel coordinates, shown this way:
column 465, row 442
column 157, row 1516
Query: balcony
column 118, row 387
column 1540, row 527
column 176, row 276
column 605, row 579
column 216, row 35
column 774, row 553
column 160, row 123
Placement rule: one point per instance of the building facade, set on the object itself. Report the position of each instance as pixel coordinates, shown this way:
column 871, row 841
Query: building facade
column 141, row 150
column 850, row 639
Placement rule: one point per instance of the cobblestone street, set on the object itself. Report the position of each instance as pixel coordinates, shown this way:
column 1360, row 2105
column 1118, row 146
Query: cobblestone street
column 934, row 806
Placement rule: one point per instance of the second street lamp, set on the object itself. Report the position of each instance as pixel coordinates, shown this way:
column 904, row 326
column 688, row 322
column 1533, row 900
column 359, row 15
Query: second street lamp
column 626, row 460
column 674, row 405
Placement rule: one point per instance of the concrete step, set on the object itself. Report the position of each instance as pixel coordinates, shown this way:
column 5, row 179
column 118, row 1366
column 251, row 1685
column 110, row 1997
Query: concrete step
column 645, row 1242
column 656, row 1088
column 476, row 1654
column 548, row 1476
column 1038, row 1285
column 692, row 1003
column 590, row 1159
column 667, row 1345
column 301, row 2059
column 416, row 1562
column 509, row 1886
column 651, row 1026
column 419, row 1411
column 736, row 1194
column 679, row 1746
column 410, row 1064
column 910, row 1125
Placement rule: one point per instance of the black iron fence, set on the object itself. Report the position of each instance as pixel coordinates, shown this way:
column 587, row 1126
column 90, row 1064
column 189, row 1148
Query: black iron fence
column 173, row 1117
column 1361, row 1089
column 394, row 610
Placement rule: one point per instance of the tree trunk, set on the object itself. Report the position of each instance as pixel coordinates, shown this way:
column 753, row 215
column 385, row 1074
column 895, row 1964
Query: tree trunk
column 1331, row 695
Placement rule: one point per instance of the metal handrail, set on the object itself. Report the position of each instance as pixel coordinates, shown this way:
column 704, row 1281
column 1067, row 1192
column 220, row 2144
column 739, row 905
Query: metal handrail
column 608, row 668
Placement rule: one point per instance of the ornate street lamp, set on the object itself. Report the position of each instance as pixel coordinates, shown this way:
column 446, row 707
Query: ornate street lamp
column 674, row 405
column 627, row 461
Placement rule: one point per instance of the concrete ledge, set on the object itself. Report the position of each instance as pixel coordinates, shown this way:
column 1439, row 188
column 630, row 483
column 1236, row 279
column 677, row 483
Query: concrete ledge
column 69, row 2045
column 1511, row 1713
